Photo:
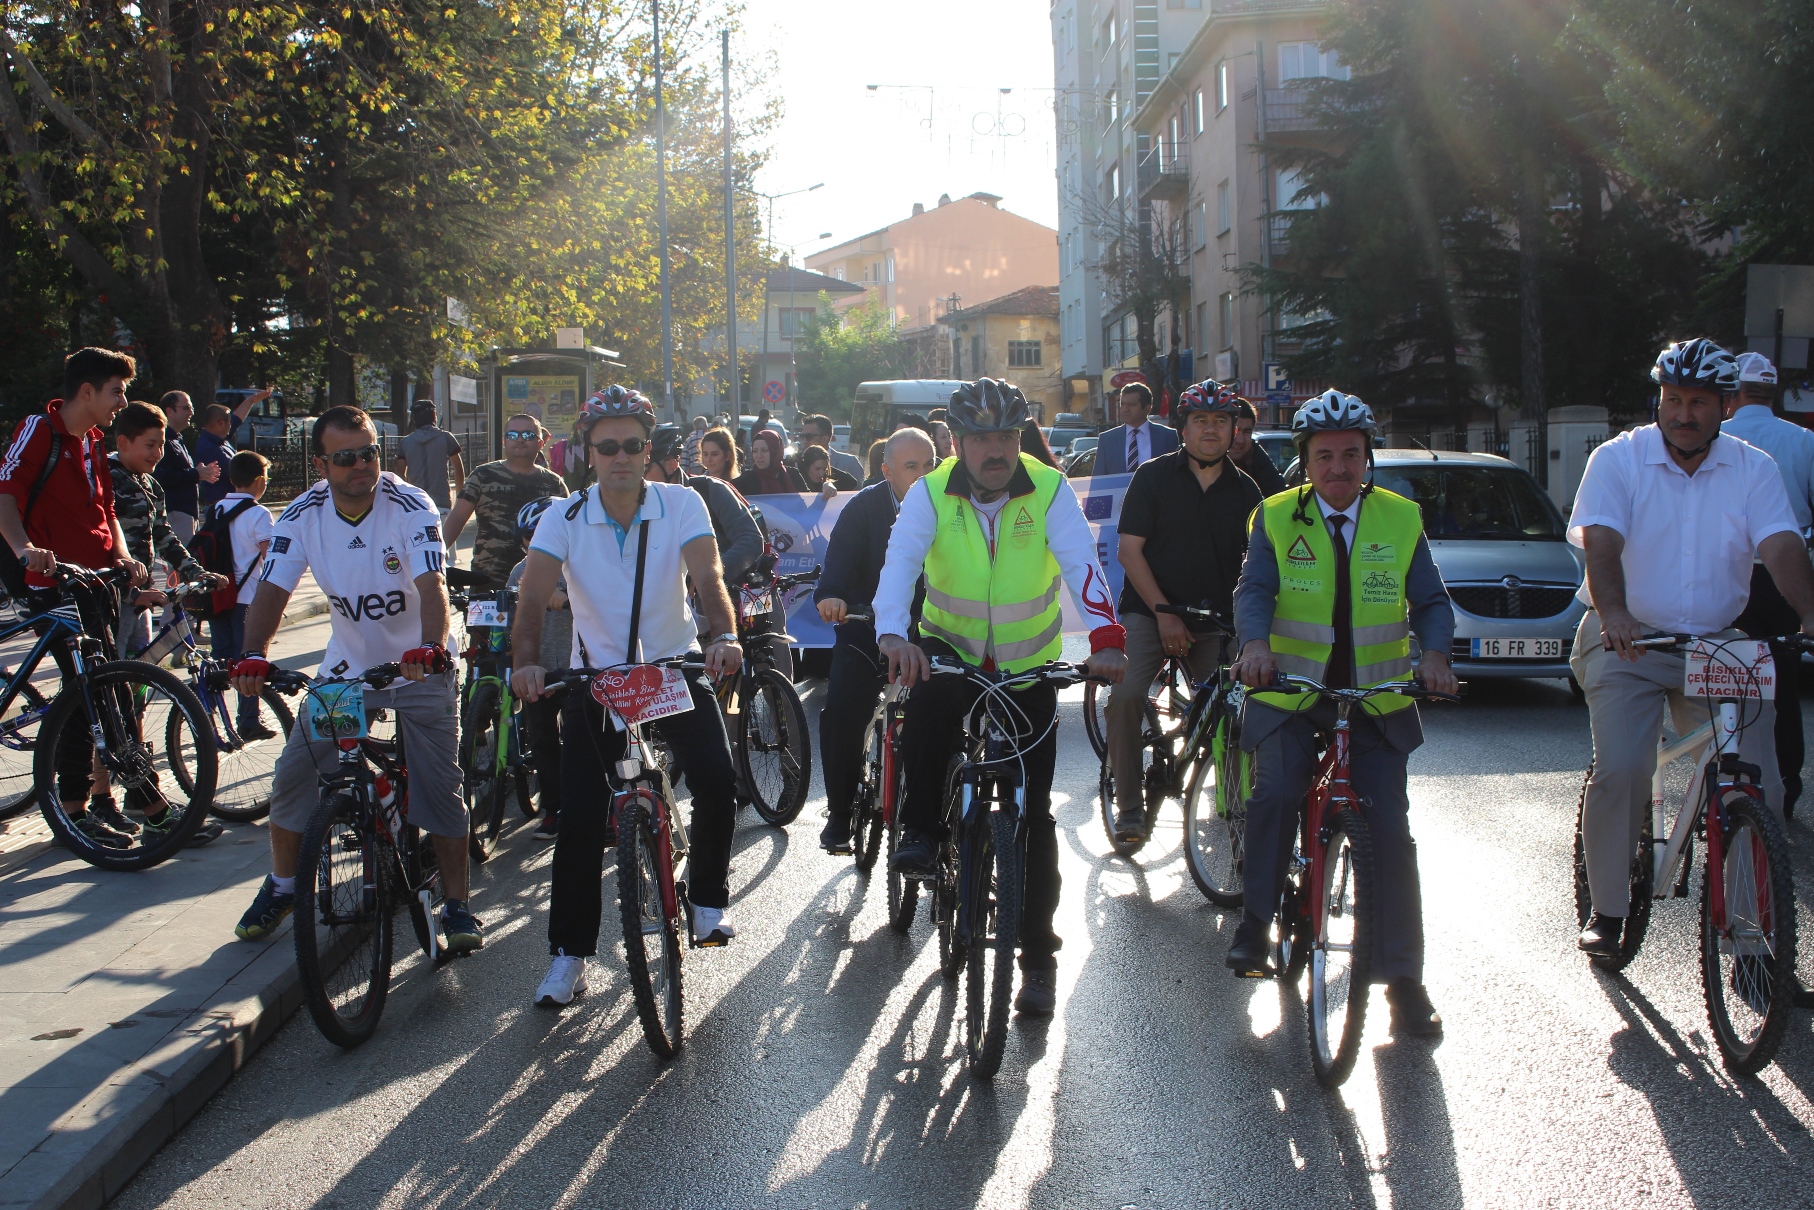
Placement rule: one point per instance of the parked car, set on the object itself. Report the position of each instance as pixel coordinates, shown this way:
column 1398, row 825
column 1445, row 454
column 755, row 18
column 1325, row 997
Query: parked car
column 1080, row 444
column 1278, row 446
column 266, row 420
column 1060, row 438
column 1080, row 465
column 840, row 438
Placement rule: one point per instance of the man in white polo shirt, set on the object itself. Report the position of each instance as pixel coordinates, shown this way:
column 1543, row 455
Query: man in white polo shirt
column 597, row 538
column 1670, row 517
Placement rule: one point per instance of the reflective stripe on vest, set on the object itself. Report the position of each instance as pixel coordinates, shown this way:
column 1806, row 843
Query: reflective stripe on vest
column 1005, row 606
column 1303, row 625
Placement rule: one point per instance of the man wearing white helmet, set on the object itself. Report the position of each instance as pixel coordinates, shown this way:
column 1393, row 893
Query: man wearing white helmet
column 1338, row 577
column 1791, row 447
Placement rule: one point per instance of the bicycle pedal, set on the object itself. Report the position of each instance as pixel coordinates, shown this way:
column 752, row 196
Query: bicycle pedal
column 712, row 941
column 1264, row 973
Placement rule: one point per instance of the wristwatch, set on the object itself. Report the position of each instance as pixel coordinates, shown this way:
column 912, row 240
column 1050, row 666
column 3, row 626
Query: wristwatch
column 726, row 638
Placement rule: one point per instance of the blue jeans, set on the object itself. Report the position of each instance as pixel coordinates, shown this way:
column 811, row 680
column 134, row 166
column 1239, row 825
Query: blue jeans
column 227, row 635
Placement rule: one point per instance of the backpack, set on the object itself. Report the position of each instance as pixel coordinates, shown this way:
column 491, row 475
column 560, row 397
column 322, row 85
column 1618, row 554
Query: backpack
column 212, row 547
column 12, row 569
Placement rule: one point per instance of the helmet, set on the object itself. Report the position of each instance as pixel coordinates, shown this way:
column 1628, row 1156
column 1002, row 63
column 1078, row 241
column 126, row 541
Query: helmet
column 986, row 406
column 665, row 442
column 1333, row 412
column 614, row 400
column 1755, row 367
column 530, row 515
column 1209, row 396
column 1697, row 363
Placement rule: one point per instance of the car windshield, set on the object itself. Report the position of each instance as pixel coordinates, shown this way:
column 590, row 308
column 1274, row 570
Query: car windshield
column 1476, row 502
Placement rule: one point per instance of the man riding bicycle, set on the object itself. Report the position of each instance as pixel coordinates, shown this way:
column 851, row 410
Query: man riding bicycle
column 994, row 531
column 1183, row 532
column 373, row 543
column 1670, row 517
column 1338, row 577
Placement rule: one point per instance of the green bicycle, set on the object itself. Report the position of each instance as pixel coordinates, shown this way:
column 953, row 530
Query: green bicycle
column 491, row 757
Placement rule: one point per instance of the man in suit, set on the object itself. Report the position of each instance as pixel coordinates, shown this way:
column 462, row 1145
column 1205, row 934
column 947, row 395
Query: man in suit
column 1136, row 439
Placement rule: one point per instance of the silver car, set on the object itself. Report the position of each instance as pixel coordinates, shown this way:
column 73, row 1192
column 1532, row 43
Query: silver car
column 1502, row 547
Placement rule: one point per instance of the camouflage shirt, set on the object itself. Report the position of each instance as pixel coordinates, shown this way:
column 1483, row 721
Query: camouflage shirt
column 138, row 502
column 496, row 493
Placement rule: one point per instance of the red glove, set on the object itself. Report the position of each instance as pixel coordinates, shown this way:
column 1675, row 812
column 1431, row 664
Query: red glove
column 253, row 665
column 431, row 656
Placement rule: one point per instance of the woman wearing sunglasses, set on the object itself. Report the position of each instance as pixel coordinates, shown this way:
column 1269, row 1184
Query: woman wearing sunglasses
column 496, row 491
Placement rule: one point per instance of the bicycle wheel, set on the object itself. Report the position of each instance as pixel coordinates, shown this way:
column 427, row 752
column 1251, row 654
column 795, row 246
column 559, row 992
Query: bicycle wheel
column 132, row 701
column 242, row 791
column 1215, row 816
column 776, row 749
column 651, row 935
column 866, row 807
column 951, row 954
column 903, row 892
column 1341, row 950
column 18, row 739
column 1643, row 865
column 483, row 787
column 1748, row 966
column 992, row 903
column 1096, row 717
column 343, row 921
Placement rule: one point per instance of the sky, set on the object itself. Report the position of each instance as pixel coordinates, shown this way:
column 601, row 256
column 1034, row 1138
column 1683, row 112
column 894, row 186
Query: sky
column 939, row 125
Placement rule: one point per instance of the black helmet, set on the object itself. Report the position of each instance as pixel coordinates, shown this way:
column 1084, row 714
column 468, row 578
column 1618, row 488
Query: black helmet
column 665, row 442
column 987, row 406
column 1697, row 363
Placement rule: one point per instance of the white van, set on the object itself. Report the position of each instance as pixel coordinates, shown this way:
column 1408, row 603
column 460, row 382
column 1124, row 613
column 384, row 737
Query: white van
column 877, row 404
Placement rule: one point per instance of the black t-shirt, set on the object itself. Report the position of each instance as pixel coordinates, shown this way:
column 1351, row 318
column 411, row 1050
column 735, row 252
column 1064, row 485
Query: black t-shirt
column 1195, row 539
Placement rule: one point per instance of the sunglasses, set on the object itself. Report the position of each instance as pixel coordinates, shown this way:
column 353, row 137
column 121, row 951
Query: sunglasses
column 520, row 434
column 630, row 445
column 345, row 458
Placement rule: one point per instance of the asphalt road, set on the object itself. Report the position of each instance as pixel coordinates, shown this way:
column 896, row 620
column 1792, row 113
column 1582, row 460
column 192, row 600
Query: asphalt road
column 823, row 1063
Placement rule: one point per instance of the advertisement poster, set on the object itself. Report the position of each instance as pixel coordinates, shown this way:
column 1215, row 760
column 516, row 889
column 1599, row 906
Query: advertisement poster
column 800, row 526
column 553, row 400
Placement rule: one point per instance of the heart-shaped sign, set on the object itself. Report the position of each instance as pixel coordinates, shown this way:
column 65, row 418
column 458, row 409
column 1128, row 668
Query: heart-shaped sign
column 642, row 693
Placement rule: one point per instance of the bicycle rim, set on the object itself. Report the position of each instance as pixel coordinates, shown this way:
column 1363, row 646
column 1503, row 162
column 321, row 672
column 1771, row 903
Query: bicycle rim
column 651, row 938
column 1095, row 718
column 18, row 738
column 866, row 809
column 777, row 752
column 343, row 921
column 1215, row 822
column 1748, row 968
column 903, row 892
column 484, row 803
column 1341, row 950
column 944, row 889
column 1643, row 867
column 242, row 792
column 993, row 898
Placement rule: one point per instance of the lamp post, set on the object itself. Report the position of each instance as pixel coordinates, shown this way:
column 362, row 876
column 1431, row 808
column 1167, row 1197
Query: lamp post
column 661, row 222
column 771, row 198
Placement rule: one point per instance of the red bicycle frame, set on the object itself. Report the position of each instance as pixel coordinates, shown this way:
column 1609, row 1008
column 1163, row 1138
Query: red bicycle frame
column 664, row 840
column 1329, row 792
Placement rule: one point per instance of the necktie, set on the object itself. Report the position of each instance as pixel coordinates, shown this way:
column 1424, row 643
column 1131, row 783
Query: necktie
column 1340, row 674
column 1133, row 448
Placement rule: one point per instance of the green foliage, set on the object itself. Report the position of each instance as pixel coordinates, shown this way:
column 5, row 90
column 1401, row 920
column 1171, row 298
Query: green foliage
column 837, row 351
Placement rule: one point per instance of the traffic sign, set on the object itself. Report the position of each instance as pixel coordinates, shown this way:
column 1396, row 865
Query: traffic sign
column 774, row 392
column 1277, row 380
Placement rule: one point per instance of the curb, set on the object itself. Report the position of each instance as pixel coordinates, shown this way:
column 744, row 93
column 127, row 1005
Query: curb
column 312, row 609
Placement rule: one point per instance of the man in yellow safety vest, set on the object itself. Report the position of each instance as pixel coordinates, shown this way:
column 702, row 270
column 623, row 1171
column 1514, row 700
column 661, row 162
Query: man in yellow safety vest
column 996, row 533
column 1338, row 577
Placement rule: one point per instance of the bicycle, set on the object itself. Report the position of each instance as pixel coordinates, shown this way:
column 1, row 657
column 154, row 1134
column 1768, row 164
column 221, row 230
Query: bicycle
column 491, row 755
column 18, row 734
column 360, row 858
column 978, row 888
column 762, row 710
column 1325, row 921
column 875, row 809
column 1167, row 700
column 1747, row 911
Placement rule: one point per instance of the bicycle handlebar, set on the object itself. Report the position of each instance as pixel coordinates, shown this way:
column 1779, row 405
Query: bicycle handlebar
column 798, row 578
column 1055, row 673
column 288, row 680
column 1194, row 613
column 1409, row 689
column 576, row 678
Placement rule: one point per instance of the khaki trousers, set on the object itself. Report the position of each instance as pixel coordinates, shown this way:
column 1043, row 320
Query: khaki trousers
column 1625, row 709
column 1127, row 701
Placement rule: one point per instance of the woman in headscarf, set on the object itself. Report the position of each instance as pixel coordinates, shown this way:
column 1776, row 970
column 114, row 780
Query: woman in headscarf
column 767, row 474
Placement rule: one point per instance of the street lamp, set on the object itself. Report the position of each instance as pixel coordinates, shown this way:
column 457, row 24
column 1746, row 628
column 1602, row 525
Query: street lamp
column 771, row 198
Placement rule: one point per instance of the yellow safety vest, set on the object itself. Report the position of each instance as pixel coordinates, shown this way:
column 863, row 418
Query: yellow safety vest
column 1303, row 622
column 1003, row 607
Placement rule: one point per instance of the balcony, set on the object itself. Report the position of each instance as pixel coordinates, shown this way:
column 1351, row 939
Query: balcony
column 1288, row 111
column 1278, row 233
column 1164, row 172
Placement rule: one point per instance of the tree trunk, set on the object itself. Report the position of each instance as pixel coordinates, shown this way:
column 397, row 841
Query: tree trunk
column 1530, row 309
column 343, row 379
column 400, row 399
column 199, row 320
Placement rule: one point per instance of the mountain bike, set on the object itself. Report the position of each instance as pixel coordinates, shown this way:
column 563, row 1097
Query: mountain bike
column 1325, row 920
column 978, row 889
column 1747, row 912
column 1167, row 700
column 875, row 809
column 491, row 754
column 770, row 739
column 360, row 859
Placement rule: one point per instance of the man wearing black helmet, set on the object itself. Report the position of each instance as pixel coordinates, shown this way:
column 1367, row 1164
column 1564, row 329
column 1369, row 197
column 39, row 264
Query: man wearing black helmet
column 993, row 531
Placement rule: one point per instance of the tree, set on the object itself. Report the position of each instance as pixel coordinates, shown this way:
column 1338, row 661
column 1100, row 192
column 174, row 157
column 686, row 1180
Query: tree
column 1142, row 263
column 835, row 352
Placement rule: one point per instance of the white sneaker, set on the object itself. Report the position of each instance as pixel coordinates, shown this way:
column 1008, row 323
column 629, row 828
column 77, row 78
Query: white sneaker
column 710, row 927
column 566, row 979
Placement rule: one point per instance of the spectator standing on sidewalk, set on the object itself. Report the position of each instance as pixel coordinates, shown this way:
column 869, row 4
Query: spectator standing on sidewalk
column 251, row 530
column 689, row 460
column 495, row 493
column 214, row 444
column 177, row 472
column 138, row 504
column 427, row 454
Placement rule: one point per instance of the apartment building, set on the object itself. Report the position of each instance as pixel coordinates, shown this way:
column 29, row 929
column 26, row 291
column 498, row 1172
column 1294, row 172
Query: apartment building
column 1014, row 337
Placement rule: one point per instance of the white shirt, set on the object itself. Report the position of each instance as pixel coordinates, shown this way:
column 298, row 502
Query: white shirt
column 367, row 569
column 599, row 557
column 249, row 529
column 1352, row 512
column 1689, row 540
column 1068, row 537
column 1789, row 445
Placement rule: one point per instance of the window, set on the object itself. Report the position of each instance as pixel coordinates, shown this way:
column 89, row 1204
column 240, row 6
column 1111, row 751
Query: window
column 1202, row 333
column 1114, row 106
column 1224, row 208
column 1109, row 29
column 1023, row 352
column 793, row 319
column 1199, row 222
column 976, row 353
column 891, row 266
column 1305, row 61
column 837, row 271
column 1174, row 129
column 1183, row 3
column 1197, row 104
column 1114, row 182
column 1291, row 184
column 957, row 356
column 1222, row 86
column 1171, row 61
column 1228, row 319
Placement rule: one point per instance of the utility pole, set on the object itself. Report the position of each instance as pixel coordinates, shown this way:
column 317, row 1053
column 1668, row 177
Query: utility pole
column 730, row 233
column 661, row 222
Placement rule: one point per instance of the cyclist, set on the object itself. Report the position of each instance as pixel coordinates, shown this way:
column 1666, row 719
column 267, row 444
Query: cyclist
column 590, row 537
column 1183, row 531
column 373, row 543
column 994, row 531
column 1247, row 453
column 1670, row 517
column 853, row 565
column 1315, row 601
column 542, row 718
column 496, row 492
column 138, row 505
column 739, row 535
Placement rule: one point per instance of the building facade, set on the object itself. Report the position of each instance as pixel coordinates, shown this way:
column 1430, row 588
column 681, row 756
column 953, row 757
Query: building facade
column 1014, row 338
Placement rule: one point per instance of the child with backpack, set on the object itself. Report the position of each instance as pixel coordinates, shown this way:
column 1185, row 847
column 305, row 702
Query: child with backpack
column 234, row 541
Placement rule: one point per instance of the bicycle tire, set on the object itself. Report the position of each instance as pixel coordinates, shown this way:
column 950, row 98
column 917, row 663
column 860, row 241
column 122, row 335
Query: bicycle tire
column 1213, row 841
column 775, row 747
column 866, row 808
column 345, row 980
column 1291, row 945
column 123, row 692
column 480, row 733
column 944, row 893
column 1095, row 718
column 1750, row 835
column 994, row 883
column 660, row 1003
column 903, row 892
column 244, row 771
column 18, row 787
column 1337, row 1006
column 1643, row 865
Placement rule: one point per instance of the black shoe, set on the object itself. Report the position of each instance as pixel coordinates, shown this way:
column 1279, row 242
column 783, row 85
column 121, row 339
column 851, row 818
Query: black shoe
column 1803, row 997
column 1600, row 938
column 251, row 732
column 99, row 833
column 1130, row 826
column 916, row 854
column 1251, row 952
column 1038, row 994
column 1412, row 1013
column 102, row 809
column 550, row 827
column 834, row 837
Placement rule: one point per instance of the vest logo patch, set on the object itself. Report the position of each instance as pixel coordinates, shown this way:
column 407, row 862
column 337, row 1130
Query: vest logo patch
column 1380, row 588
column 1023, row 524
column 1300, row 552
column 1378, row 552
